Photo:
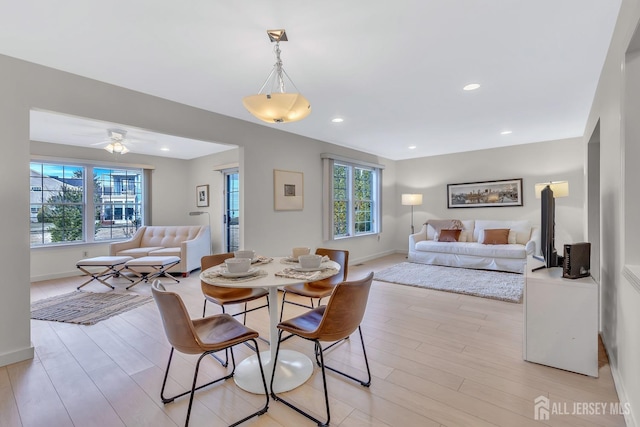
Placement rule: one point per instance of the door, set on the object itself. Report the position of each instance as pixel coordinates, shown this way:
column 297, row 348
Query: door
column 231, row 210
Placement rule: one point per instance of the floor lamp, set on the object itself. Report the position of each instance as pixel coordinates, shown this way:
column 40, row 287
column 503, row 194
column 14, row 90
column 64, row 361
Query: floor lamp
column 198, row 213
column 411, row 200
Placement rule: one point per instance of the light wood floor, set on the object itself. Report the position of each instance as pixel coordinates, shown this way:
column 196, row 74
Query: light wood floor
column 437, row 359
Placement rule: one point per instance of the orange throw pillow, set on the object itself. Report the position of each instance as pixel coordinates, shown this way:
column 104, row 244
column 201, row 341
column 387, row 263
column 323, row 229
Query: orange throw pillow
column 449, row 235
column 496, row 236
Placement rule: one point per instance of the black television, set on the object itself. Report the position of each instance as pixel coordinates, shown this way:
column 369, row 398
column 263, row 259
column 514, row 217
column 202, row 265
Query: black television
column 547, row 230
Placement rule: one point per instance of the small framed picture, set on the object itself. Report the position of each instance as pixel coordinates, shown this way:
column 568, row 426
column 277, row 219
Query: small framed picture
column 288, row 190
column 202, row 196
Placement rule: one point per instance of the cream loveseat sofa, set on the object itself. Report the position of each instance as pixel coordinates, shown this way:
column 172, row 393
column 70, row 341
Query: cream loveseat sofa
column 190, row 243
column 470, row 250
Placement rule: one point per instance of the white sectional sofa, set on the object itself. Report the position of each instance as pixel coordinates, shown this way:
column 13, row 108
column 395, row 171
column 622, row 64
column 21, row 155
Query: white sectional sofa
column 189, row 243
column 470, row 251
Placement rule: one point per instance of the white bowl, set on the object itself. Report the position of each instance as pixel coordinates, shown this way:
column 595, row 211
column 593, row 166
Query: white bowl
column 297, row 252
column 238, row 265
column 310, row 261
column 245, row 254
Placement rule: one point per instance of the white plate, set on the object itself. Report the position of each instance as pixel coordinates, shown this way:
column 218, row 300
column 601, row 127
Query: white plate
column 250, row 272
column 310, row 269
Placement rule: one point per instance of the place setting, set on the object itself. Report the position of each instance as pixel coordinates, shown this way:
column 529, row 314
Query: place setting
column 235, row 270
column 306, row 266
column 255, row 258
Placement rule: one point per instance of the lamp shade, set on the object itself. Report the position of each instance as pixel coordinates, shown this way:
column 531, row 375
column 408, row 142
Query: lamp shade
column 278, row 107
column 559, row 188
column 412, row 199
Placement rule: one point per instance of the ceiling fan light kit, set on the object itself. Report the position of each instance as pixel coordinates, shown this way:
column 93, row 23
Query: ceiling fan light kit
column 116, row 145
column 273, row 104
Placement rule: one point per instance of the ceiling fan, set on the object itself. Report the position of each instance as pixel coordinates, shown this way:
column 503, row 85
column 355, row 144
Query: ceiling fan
column 117, row 141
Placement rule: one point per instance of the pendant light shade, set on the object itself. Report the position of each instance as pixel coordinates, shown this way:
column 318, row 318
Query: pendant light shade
column 273, row 104
column 278, row 107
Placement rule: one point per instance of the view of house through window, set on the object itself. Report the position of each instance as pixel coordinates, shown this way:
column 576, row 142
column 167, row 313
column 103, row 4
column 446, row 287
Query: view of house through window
column 355, row 200
column 82, row 203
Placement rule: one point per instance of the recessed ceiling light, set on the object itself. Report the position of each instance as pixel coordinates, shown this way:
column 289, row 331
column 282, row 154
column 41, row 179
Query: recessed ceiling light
column 471, row 86
column 412, row 147
column 164, row 149
column 505, row 132
column 337, row 120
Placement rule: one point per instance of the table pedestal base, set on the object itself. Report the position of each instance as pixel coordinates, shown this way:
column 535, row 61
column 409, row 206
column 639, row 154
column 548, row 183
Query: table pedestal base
column 294, row 369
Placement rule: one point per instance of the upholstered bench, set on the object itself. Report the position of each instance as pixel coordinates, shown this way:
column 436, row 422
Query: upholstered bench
column 112, row 266
column 151, row 267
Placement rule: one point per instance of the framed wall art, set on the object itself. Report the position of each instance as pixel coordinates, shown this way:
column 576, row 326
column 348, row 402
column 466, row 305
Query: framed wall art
column 485, row 194
column 202, row 196
column 288, row 190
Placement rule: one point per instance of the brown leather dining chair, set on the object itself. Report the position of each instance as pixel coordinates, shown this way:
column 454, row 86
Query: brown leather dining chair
column 331, row 323
column 203, row 336
column 224, row 296
column 321, row 288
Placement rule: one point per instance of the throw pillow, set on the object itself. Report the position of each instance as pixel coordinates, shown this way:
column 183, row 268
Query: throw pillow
column 449, row 235
column 495, row 236
column 512, row 237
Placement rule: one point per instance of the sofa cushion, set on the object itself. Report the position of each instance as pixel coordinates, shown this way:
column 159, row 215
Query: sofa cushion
column 522, row 228
column 166, row 252
column 139, row 252
column 473, row 248
column 168, row 236
column 494, row 236
column 449, row 235
column 467, row 225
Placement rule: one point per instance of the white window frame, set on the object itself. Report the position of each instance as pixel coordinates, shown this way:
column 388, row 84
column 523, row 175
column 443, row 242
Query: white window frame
column 329, row 161
column 88, row 203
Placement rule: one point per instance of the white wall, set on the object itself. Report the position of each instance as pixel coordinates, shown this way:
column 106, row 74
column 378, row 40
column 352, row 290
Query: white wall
column 619, row 299
column 203, row 171
column 540, row 162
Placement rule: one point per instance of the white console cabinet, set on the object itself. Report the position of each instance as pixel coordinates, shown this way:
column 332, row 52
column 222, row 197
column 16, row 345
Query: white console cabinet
column 560, row 320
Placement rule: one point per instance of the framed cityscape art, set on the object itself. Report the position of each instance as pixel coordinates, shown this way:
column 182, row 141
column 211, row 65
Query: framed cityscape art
column 485, row 194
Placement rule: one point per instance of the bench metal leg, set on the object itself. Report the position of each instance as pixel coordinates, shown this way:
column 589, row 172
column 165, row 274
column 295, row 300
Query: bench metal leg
column 108, row 272
column 159, row 271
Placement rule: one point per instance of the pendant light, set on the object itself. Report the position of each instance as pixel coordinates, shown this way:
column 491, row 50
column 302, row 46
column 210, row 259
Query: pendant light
column 273, row 104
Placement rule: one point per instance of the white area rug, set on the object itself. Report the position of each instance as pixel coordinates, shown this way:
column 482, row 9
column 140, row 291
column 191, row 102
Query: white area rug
column 482, row 283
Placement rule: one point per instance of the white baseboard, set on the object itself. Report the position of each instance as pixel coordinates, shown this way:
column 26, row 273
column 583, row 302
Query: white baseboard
column 617, row 381
column 16, row 356
column 374, row 256
column 62, row 275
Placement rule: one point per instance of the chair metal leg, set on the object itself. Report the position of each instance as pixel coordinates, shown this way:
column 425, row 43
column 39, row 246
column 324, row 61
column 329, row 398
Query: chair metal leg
column 264, row 383
column 366, row 383
column 319, row 353
column 193, row 389
column 289, row 404
column 166, row 375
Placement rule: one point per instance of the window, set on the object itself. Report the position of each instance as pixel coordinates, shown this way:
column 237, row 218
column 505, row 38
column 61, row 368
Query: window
column 74, row 203
column 352, row 202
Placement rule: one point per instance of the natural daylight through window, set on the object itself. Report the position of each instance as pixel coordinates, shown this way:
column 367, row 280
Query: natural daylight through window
column 80, row 203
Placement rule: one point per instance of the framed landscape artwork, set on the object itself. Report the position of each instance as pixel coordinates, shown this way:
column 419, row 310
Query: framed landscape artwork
column 202, row 196
column 485, row 194
column 288, row 190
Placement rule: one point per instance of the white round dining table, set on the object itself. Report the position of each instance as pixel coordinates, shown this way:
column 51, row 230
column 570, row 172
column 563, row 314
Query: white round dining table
column 294, row 368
